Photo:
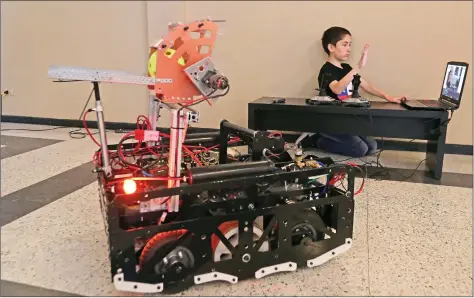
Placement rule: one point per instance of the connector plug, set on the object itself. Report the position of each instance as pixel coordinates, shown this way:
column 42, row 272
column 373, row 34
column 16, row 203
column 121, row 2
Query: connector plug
column 147, row 135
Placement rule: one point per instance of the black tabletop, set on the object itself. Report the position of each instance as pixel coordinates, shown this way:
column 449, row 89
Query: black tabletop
column 377, row 108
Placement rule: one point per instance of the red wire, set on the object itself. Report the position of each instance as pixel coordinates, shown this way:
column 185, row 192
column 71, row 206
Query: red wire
column 143, row 123
column 87, row 129
column 363, row 178
column 192, row 155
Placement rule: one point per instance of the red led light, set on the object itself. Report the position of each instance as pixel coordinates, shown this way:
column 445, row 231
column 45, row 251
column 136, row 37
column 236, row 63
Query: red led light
column 129, row 186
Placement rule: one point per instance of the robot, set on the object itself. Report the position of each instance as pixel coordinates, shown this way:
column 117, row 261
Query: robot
column 184, row 209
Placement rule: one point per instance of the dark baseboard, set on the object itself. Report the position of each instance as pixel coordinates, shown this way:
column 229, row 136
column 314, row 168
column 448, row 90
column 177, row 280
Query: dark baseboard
column 90, row 124
column 385, row 144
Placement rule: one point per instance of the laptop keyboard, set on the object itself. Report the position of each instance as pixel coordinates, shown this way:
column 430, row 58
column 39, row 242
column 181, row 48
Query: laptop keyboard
column 416, row 103
column 430, row 103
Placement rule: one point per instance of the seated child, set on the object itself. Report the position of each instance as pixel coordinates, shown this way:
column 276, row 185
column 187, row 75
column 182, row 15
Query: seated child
column 338, row 76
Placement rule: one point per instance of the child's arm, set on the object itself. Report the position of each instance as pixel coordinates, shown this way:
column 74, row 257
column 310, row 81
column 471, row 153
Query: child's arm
column 338, row 86
column 370, row 88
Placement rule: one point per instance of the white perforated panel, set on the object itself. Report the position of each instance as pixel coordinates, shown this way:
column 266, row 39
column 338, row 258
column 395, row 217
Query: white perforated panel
column 100, row 75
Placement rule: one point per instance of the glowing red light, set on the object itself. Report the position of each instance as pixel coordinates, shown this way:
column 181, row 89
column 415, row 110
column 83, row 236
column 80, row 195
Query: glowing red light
column 129, row 186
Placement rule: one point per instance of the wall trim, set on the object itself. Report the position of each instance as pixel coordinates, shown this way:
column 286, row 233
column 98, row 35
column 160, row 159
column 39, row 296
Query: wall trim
column 459, row 149
column 90, row 124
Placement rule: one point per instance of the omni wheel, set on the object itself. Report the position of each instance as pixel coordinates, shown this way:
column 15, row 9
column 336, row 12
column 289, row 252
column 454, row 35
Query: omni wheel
column 230, row 230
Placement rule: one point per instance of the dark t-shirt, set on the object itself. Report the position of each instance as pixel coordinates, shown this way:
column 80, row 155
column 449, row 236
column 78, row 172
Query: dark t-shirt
column 330, row 72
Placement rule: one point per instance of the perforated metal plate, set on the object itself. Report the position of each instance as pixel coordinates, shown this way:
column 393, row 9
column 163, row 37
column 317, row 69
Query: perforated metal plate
column 101, row 75
column 197, row 71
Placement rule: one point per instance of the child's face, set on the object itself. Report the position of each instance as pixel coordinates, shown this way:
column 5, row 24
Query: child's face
column 342, row 50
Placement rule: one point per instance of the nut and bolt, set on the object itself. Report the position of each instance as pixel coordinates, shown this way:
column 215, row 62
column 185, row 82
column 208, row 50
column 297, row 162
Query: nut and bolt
column 246, row 258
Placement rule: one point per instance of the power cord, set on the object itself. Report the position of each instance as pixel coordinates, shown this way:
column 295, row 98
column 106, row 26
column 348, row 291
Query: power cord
column 77, row 133
column 385, row 170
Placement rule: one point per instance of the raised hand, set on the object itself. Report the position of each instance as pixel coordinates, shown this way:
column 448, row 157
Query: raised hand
column 363, row 58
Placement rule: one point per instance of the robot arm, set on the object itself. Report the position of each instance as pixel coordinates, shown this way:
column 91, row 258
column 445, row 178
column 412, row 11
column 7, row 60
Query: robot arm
column 184, row 56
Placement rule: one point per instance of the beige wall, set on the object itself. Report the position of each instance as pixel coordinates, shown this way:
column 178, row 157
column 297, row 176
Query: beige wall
column 97, row 34
column 267, row 48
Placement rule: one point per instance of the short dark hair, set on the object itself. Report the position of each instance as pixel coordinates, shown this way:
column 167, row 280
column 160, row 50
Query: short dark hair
column 332, row 36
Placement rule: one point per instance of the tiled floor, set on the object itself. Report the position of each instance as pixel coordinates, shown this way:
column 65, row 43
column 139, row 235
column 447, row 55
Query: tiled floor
column 410, row 239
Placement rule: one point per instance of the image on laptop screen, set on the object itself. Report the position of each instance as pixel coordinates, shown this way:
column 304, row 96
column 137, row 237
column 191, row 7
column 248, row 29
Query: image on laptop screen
column 453, row 80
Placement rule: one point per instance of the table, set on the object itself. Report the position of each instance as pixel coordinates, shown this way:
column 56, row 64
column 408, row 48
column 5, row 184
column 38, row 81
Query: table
column 382, row 119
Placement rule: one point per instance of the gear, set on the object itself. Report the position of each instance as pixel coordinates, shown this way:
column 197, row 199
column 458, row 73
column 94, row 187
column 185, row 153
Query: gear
column 179, row 258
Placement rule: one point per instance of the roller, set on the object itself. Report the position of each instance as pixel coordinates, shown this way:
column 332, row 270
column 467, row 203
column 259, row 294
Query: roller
column 231, row 170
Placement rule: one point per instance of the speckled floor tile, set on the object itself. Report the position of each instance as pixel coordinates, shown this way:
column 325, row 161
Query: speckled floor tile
column 12, row 146
column 420, row 240
column 18, row 171
column 66, row 239
column 35, row 131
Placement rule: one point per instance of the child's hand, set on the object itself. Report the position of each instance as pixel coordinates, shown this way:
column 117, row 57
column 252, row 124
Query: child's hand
column 363, row 58
column 396, row 99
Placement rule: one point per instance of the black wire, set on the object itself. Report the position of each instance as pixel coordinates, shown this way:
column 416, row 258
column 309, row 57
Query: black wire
column 385, row 170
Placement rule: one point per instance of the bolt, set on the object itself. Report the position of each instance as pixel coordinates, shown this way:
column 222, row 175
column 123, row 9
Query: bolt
column 251, row 206
column 348, row 194
column 179, row 269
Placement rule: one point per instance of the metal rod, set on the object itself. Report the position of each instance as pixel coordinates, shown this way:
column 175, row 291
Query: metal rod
column 223, row 137
column 152, row 111
column 99, row 109
column 174, row 159
column 238, row 129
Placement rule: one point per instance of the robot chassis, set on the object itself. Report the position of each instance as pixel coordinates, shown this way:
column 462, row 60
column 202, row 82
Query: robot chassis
column 178, row 210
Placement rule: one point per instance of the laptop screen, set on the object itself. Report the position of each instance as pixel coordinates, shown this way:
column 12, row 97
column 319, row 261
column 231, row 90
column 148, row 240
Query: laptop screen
column 453, row 82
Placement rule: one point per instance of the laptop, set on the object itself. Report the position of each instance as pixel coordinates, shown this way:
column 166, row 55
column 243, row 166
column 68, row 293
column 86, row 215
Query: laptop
column 451, row 90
